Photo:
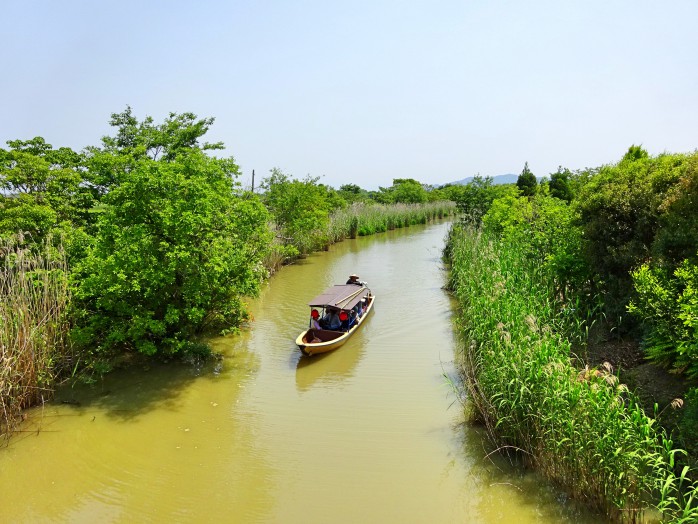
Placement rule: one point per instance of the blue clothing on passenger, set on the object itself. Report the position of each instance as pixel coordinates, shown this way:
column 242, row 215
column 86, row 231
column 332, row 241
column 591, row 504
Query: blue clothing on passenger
column 332, row 320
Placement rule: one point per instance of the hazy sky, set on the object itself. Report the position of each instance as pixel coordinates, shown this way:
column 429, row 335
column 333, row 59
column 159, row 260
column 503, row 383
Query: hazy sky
column 363, row 91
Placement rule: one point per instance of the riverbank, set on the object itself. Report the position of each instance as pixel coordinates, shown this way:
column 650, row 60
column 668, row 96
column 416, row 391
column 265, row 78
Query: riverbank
column 581, row 428
column 35, row 308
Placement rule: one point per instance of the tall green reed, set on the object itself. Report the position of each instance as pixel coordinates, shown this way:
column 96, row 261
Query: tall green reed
column 34, row 342
column 367, row 219
column 580, row 428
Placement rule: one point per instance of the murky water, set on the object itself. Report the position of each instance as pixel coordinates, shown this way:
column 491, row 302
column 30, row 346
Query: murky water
column 368, row 433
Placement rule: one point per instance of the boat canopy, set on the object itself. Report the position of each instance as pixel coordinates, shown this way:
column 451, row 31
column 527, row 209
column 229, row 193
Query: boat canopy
column 340, row 296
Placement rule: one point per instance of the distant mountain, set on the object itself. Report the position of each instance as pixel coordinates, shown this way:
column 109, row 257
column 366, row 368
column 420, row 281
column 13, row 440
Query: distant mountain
column 499, row 179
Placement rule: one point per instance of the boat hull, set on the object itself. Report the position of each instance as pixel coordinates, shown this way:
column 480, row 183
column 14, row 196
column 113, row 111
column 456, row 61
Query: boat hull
column 330, row 340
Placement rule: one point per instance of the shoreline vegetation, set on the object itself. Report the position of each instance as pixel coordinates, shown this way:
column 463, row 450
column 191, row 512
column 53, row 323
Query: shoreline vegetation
column 545, row 272
column 140, row 246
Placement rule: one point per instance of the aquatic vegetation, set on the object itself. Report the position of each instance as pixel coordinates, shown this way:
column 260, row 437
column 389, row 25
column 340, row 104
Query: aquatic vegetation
column 361, row 219
column 581, row 428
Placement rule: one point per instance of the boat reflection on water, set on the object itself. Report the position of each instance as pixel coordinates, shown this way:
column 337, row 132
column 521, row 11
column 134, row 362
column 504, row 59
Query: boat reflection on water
column 329, row 370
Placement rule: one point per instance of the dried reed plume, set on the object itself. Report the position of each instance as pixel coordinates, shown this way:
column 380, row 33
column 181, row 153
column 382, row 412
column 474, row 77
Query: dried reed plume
column 33, row 328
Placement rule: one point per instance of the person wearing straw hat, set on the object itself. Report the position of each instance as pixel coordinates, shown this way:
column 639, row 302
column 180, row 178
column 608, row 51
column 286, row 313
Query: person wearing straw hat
column 354, row 279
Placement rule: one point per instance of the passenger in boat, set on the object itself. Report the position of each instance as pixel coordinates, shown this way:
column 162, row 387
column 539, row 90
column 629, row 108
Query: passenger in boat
column 331, row 320
column 354, row 279
column 353, row 315
column 315, row 322
column 358, row 308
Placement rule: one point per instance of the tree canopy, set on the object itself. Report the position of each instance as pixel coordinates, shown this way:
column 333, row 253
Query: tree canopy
column 527, row 182
column 178, row 244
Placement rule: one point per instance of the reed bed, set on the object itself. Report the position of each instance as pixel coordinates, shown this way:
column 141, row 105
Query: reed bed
column 356, row 220
column 367, row 219
column 33, row 327
column 580, row 428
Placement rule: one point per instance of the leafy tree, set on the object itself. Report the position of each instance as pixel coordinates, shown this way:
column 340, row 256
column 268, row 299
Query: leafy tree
column 635, row 153
column 559, row 185
column 177, row 246
column 301, row 210
column 527, row 182
column 403, row 190
column 351, row 193
column 43, row 190
column 666, row 285
column 23, row 214
column 408, row 191
column 677, row 235
column 475, row 198
column 620, row 211
column 134, row 141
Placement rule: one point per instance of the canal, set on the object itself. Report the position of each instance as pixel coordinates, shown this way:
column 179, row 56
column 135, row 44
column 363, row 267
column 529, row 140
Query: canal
column 371, row 432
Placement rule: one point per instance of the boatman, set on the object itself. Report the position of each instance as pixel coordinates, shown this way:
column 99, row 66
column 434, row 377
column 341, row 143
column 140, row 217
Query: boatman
column 354, row 279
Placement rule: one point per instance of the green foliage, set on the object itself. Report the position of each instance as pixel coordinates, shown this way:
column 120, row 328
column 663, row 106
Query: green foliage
column 559, row 185
column 635, row 153
column 527, row 182
column 351, row 193
column 177, row 244
column 475, row 198
column 23, row 214
column 404, row 191
column 677, row 236
column 137, row 140
column 620, row 211
column 301, row 210
column 544, row 228
column 668, row 305
column 44, row 190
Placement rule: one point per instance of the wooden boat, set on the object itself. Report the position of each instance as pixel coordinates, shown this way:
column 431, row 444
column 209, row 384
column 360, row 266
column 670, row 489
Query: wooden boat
column 351, row 303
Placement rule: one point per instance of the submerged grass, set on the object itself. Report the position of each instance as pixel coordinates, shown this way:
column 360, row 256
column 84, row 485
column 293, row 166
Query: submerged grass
column 580, row 428
column 33, row 328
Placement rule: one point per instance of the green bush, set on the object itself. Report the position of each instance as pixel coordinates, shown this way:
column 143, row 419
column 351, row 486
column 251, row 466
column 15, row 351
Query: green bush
column 545, row 229
column 620, row 213
column 668, row 306
column 177, row 243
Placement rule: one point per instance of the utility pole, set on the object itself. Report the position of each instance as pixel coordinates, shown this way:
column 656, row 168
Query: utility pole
column 253, row 180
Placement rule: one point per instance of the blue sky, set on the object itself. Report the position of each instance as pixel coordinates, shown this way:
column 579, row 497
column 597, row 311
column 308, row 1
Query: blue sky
column 363, row 91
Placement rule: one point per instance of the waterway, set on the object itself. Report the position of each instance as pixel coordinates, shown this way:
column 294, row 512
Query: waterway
column 371, row 432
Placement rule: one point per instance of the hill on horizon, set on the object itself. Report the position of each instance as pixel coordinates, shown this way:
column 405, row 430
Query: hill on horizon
column 496, row 180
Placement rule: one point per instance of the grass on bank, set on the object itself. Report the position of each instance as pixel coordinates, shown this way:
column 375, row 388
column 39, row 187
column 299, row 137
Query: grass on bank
column 34, row 345
column 580, row 428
